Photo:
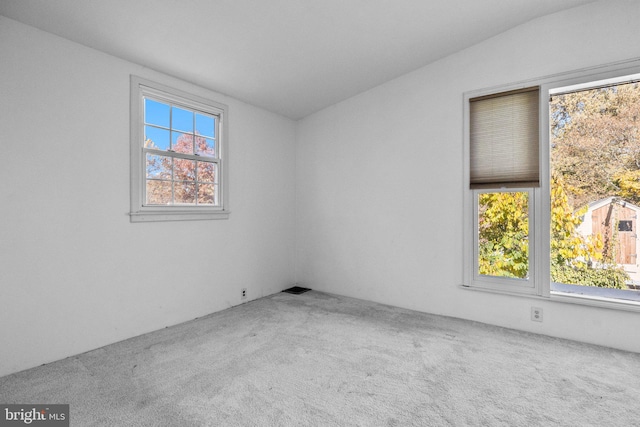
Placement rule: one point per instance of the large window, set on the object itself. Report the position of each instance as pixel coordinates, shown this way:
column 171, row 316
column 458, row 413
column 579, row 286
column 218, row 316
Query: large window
column 177, row 155
column 594, row 136
column 567, row 230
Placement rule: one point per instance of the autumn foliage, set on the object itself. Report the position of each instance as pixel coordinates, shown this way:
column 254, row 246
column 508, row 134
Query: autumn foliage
column 172, row 180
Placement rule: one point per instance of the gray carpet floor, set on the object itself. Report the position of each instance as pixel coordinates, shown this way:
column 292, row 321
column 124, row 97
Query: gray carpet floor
column 323, row 360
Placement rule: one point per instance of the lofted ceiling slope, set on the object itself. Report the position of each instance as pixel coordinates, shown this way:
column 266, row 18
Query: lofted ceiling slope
column 293, row 57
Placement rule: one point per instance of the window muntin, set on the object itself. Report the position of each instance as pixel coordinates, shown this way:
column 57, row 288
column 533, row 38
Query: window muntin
column 178, row 164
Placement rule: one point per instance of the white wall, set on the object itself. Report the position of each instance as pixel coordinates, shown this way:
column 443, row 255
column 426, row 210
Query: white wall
column 376, row 183
column 75, row 274
column 379, row 178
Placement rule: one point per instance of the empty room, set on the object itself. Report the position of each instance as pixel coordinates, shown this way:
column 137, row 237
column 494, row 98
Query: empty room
column 326, row 213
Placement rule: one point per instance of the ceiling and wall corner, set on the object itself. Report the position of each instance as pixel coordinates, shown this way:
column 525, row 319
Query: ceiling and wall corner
column 290, row 57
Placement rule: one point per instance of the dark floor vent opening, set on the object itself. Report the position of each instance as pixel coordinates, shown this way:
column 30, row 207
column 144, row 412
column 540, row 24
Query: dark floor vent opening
column 296, row 290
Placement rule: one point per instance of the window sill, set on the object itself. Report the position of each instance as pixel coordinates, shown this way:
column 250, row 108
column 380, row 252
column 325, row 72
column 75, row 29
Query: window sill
column 598, row 297
column 502, row 292
column 178, row 215
column 570, row 298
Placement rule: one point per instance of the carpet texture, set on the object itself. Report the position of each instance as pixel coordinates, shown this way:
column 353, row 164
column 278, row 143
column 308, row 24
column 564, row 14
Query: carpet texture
column 322, row 360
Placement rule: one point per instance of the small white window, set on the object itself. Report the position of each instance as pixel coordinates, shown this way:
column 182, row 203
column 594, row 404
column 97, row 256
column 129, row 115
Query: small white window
column 178, row 149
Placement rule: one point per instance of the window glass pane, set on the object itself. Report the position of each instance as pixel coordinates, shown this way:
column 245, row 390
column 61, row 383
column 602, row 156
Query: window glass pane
column 625, row 225
column 156, row 138
column 156, row 113
column 182, row 142
column 184, row 192
column 503, row 234
column 158, row 167
column 184, row 170
column 595, row 190
column 182, row 119
column 206, row 172
column 205, row 125
column 206, row 146
column 158, row 192
column 207, row 194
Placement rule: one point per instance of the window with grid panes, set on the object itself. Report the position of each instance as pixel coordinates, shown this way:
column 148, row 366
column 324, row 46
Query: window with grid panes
column 177, row 153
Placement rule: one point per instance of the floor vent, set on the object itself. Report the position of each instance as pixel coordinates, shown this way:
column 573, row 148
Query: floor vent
column 296, row 290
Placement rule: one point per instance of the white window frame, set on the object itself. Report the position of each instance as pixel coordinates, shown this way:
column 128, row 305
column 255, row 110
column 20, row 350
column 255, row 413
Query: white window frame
column 540, row 215
column 140, row 211
column 530, row 285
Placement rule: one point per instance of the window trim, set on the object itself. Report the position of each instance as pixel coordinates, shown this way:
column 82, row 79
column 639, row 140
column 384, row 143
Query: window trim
column 139, row 212
column 609, row 73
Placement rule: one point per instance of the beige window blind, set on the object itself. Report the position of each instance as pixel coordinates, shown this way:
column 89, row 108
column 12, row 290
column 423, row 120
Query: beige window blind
column 504, row 140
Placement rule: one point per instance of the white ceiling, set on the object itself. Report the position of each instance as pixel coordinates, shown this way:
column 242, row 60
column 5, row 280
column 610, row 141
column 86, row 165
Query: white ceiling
column 293, row 57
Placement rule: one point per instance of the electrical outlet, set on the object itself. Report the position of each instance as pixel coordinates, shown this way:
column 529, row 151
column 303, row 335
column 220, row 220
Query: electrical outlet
column 244, row 293
column 536, row 314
